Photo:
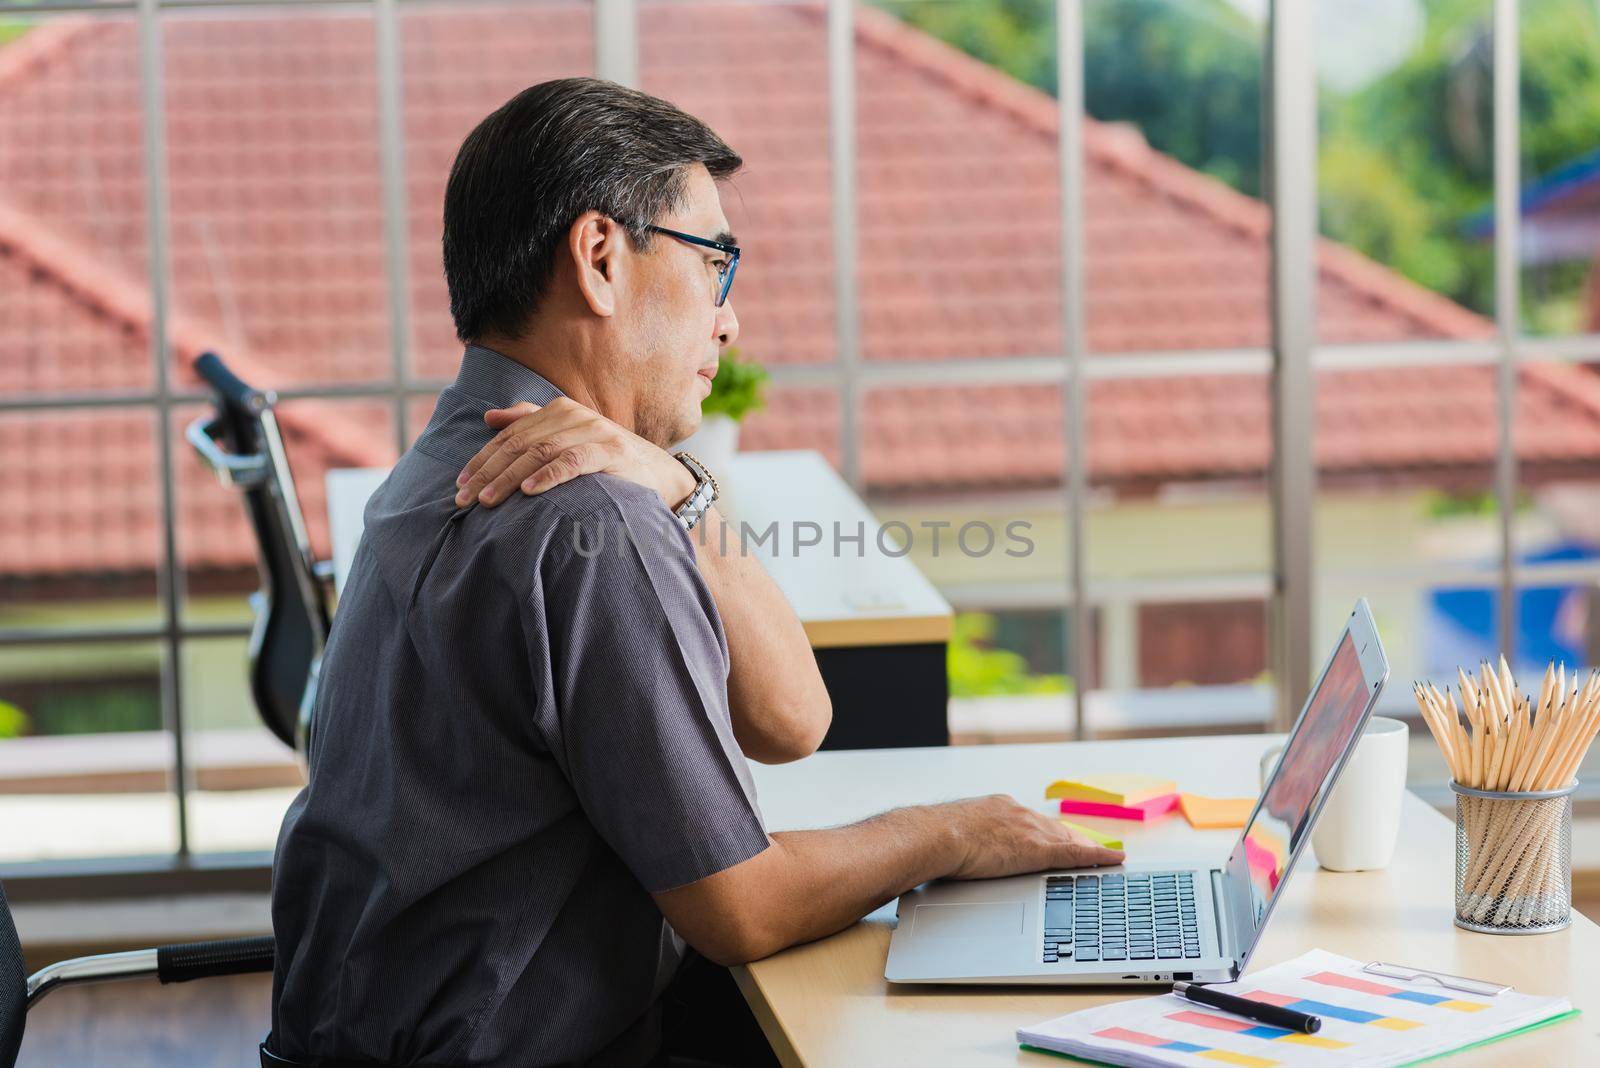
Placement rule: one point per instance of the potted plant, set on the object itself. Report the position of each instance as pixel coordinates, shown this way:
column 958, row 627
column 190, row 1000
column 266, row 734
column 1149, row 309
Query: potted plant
column 737, row 391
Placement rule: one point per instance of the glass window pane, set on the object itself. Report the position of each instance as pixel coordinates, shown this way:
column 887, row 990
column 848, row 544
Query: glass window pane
column 1011, row 674
column 1202, row 643
column 1179, row 551
column 85, row 766
column 244, row 777
column 1406, row 516
column 215, row 543
column 277, row 208
column 756, row 72
column 1557, row 538
column 1176, row 238
column 81, row 534
column 459, row 62
column 1176, row 231
column 1560, row 142
column 959, row 257
column 75, row 304
column 968, row 480
column 1405, row 159
column 795, row 417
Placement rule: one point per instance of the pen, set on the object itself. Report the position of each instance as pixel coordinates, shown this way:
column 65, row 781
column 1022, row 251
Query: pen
column 1256, row 1010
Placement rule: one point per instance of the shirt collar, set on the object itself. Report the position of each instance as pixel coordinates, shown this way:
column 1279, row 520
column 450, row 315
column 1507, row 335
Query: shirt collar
column 502, row 381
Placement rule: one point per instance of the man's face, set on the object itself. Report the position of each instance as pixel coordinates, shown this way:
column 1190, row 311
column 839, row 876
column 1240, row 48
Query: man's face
column 673, row 329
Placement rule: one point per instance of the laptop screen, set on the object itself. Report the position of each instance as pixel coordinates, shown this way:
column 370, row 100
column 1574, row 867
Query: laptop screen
column 1305, row 774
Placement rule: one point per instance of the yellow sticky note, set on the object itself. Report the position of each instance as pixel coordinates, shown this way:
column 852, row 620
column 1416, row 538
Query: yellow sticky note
column 1208, row 813
column 1112, row 788
column 1094, row 835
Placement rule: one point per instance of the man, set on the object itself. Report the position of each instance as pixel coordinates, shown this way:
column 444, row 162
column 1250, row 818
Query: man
column 528, row 780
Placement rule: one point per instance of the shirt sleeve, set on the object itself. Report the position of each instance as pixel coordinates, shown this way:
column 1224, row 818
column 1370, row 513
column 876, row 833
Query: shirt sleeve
column 639, row 669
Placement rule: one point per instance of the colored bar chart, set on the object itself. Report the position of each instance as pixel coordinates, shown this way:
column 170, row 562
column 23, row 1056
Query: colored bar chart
column 1332, row 1011
column 1247, row 1029
column 1365, row 986
column 1139, row 1038
column 1381, row 1024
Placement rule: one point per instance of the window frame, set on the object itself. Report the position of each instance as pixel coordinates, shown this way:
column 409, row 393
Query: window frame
column 1292, row 359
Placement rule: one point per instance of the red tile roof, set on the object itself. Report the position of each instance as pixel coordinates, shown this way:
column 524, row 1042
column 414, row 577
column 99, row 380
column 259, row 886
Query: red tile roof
column 277, row 261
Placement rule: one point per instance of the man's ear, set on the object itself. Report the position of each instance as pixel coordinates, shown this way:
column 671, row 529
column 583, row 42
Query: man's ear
column 599, row 248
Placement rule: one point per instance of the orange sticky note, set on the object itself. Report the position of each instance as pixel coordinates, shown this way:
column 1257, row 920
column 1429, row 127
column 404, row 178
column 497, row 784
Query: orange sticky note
column 1209, row 813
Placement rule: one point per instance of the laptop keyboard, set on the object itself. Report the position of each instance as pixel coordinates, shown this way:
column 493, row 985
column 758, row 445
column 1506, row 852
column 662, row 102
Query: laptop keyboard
column 1142, row 916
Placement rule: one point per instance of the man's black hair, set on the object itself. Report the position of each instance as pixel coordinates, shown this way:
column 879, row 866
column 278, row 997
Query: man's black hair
column 549, row 154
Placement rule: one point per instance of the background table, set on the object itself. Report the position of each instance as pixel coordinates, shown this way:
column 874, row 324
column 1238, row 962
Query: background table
column 878, row 627
column 827, row 1003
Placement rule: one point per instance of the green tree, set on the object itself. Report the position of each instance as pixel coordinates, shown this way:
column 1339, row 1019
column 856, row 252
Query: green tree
column 978, row 669
column 1187, row 73
column 1407, row 162
column 13, row 721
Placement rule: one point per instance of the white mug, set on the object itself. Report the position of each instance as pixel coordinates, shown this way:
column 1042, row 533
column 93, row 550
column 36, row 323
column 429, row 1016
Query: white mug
column 1360, row 824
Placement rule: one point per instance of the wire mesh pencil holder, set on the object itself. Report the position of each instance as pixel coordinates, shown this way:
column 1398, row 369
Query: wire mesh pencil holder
column 1513, row 860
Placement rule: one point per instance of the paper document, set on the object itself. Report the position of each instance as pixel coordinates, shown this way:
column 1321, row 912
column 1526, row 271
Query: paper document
column 1365, row 1021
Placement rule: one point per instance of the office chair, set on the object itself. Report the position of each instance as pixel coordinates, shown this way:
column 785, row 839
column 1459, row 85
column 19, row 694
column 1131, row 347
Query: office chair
column 169, row 964
column 241, row 444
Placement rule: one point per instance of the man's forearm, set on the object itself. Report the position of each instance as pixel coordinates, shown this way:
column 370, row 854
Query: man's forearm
column 842, row 874
column 779, row 706
column 809, row 884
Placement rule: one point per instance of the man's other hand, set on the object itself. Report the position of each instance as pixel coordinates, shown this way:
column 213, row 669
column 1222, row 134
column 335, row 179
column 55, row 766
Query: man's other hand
column 999, row 837
column 538, row 448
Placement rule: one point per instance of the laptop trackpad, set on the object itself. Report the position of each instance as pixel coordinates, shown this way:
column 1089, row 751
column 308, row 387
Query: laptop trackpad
column 975, row 919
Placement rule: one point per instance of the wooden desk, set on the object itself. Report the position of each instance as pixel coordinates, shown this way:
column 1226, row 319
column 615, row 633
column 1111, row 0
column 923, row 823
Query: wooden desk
column 827, row 1003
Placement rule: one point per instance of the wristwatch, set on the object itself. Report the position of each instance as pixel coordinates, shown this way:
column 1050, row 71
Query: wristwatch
column 692, row 510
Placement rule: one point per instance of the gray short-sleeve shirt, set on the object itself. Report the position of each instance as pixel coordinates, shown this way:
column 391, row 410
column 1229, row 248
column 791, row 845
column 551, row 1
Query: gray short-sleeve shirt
column 521, row 731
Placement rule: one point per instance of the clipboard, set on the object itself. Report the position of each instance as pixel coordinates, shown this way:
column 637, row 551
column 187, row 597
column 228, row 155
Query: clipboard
column 1407, row 974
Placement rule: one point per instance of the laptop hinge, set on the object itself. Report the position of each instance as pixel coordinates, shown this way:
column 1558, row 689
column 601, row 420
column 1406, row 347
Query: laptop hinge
column 1227, row 938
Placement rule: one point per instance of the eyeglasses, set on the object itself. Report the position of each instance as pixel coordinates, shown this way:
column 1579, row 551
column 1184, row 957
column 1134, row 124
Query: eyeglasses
column 724, row 270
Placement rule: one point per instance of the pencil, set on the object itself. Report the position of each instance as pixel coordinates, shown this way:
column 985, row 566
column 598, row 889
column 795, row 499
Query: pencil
column 1503, row 740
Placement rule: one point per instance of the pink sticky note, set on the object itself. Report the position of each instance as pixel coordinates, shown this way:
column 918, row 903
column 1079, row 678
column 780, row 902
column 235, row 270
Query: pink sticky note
column 1145, row 810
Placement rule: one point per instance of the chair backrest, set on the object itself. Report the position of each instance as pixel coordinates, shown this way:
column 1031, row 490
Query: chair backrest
column 291, row 610
column 13, row 987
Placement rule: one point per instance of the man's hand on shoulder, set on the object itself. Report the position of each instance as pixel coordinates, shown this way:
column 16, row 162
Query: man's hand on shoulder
column 776, row 697
column 538, row 448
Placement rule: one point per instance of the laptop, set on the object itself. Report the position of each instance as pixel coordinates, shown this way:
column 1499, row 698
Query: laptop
column 1151, row 922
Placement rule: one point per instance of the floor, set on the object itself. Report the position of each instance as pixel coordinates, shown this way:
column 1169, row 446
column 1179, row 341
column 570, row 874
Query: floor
column 214, row 1023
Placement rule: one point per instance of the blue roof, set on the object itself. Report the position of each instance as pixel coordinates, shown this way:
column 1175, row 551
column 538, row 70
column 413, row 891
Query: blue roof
column 1571, row 176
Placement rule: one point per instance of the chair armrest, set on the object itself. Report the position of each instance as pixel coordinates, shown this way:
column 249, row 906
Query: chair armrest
column 100, row 968
column 200, row 960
